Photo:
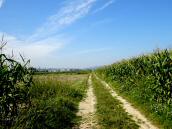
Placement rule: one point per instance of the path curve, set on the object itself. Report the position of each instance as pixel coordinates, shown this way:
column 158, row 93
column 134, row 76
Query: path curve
column 87, row 109
column 141, row 120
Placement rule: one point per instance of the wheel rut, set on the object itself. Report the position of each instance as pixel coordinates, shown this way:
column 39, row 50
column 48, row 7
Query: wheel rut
column 87, row 109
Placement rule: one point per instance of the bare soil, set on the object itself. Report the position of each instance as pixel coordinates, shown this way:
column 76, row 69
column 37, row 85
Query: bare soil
column 87, row 109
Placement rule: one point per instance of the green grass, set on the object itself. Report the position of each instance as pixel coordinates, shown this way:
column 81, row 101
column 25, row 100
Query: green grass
column 110, row 113
column 54, row 102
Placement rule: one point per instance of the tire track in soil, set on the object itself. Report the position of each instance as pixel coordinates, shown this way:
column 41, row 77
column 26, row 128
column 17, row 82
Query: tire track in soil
column 87, row 109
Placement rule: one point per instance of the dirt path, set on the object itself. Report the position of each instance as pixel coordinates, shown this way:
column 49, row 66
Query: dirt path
column 87, row 109
column 137, row 116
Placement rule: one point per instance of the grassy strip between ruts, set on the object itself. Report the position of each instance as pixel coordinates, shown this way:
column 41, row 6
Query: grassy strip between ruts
column 54, row 103
column 110, row 113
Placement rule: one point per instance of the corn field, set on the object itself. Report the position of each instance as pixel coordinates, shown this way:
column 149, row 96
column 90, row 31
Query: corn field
column 15, row 80
column 148, row 79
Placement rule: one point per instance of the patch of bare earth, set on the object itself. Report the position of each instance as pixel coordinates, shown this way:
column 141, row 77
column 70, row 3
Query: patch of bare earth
column 87, row 109
column 141, row 120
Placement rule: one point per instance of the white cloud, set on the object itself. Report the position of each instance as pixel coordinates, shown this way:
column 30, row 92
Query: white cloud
column 41, row 45
column 38, row 47
column 36, row 51
column 104, row 6
column 67, row 15
column 1, row 3
column 97, row 50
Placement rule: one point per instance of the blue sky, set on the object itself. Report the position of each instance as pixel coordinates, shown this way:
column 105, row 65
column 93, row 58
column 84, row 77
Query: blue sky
column 84, row 33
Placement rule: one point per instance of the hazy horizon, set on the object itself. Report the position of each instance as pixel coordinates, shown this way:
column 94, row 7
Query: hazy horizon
column 84, row 33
